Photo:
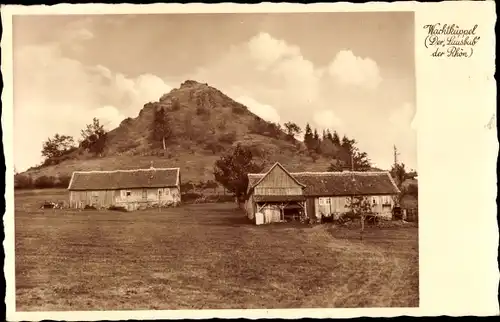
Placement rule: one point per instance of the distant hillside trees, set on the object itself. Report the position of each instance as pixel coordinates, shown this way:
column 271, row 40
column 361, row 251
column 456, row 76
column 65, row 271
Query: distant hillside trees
column 292, row 129
column 232, row 169
column 400, row 175
column 56, row 147
column 344, row 152
column 161, row 128
column 94, row 137
column 25, row 181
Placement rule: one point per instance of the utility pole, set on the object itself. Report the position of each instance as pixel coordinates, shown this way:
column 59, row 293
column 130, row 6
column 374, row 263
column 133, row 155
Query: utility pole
column 396, row 153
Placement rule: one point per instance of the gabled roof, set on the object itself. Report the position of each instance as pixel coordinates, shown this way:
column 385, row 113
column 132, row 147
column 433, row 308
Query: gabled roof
column 340, row 183
column 125, row 179
column 277, row 164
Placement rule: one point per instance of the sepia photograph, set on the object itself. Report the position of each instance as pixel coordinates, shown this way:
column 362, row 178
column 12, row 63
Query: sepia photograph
column 215, row 161
column 176, row 161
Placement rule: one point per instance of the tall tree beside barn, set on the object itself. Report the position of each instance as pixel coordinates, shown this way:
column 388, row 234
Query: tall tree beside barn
column 232, row 169
column 354, row 158
column 161, row 128
column 94, row 137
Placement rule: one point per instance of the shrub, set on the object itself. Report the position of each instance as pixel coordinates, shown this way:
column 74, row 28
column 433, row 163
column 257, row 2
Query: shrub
column 187, row 186
column 44, row 182
column 190, row 196
column 214, row 147
column 200, row 110
column 22, row 181
column 62, row 181
column 175, row 106
column 238, row 109
column 229, row 138
column 89, row 207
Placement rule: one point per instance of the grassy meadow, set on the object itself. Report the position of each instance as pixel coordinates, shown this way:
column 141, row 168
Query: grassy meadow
column 203, row 256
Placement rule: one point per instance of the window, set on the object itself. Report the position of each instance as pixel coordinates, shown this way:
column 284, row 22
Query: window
column 374, row 200
column 144, row 193
column 127, row 193
column 324, row 201
column 159, row 192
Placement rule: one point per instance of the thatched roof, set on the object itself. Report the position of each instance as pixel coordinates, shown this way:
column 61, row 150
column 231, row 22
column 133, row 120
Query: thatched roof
column 125, row 179
column 340, row 183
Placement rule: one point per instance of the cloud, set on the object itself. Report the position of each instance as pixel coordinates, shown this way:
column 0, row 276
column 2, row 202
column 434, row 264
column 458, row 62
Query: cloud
column 346, row 68
column 403, row 117
column 266, row 112
column 109, row 116
column 55, row 94
column 326, row 119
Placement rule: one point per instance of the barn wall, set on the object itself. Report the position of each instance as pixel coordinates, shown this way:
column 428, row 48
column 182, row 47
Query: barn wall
column 278, row 182
column 338, row 205
column 136, row 199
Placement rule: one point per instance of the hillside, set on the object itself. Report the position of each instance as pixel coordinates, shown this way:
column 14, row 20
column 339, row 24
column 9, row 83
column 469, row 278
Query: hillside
column 204, row 123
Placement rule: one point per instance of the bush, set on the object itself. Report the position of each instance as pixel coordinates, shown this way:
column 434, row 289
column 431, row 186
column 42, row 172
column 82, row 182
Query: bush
column 190, row 196
column 214, row 147
column 89, row 207
column 22, row 181
column 44, row 182
column 62, row 181
column 238, row 110
column 202, row 111
column 259, row 126
column 229, row 138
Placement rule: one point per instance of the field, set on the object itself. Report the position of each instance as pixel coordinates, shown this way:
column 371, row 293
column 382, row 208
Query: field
column 203, row 256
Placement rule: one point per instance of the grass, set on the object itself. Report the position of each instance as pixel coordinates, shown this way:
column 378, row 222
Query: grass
column 205, row 256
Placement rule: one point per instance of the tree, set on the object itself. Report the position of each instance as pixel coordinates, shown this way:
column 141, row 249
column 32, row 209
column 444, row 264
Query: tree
column 308, row 137
column 359, row 207
column 161, row 129
column 57, row 146
column 292, row 129
column 94, row 137
column 328, row 136
column 232, row 169
column 354, row 158
column 336, row 138
column 316, row 142
column 398, row 173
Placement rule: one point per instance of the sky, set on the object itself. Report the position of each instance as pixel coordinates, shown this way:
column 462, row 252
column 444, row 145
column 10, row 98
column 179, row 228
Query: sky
column 349, row 72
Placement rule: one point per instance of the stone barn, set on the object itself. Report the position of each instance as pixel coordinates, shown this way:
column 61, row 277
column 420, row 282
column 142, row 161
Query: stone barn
column 280, row 195
column 130, row 189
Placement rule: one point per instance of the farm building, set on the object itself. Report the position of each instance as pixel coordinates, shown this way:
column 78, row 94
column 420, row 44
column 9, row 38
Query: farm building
column 131, row 189
column 280, row 195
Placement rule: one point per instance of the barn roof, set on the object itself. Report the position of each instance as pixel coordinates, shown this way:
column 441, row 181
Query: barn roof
column 340, row 183
column 125, row 179
column 273, row 198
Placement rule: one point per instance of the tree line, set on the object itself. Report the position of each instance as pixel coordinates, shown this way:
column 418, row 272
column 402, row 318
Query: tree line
column 59, row 147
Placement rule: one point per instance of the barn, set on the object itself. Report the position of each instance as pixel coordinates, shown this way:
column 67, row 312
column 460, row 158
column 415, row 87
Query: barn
column 280, row 195
column 131, row 189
